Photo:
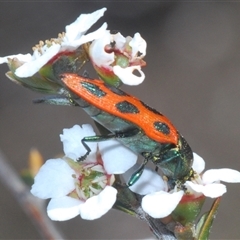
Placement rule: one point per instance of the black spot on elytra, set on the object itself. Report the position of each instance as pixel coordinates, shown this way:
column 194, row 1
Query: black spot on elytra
column 150, row 108
column 126, row 107
column 162, row 127
column 93, row 89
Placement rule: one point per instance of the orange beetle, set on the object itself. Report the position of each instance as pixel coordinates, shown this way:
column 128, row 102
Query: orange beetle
column 138, row 126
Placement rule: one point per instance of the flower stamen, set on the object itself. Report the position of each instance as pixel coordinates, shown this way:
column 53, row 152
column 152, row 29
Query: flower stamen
column 48, row 43
column 91, row 180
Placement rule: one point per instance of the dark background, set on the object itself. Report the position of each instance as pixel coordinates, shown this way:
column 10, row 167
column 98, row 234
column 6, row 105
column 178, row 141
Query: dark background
column 192, row 76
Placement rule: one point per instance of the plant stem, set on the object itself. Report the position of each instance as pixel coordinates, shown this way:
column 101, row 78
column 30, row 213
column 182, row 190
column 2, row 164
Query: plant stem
column 159, row 229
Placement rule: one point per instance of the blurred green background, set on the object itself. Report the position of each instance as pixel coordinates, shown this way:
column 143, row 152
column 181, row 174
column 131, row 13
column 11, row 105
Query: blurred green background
column 192, row 76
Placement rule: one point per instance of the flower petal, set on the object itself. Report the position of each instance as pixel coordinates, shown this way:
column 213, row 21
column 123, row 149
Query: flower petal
column 211, row 190
column 82, row 24
column 120, row 41
column 138, row 44
column 116, row 157
column 54, row 179
column 30, row 68
column 126, row 74
column 20, row 57
column 72, row 137
column 73, row 38
column 223, row 174
column 161, row 204
column 149, row 182
column 85, row 38
column 198, row 163
column 98, row 205
column 64, row 208
column 97, row 51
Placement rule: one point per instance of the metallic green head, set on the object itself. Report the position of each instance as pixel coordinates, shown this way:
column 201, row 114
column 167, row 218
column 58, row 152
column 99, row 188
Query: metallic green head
column 175, row 161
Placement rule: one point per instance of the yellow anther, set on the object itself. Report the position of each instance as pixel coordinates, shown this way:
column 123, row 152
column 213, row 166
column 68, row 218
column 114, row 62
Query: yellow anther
column 49, row 42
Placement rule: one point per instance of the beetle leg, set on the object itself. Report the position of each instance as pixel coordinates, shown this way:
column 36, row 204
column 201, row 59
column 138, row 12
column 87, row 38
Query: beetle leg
column 56, row 100
column 93, row 139
column 100, row 138
column 137, row 174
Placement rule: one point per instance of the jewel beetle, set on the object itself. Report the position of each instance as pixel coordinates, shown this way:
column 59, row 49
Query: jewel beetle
column 138, row 126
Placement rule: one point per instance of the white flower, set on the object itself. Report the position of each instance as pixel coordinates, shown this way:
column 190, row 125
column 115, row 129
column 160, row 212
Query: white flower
column 159, row 203
column 207, row 183
column 69, row 41
column 120, row 55
column 149, row 181
column 81, row 188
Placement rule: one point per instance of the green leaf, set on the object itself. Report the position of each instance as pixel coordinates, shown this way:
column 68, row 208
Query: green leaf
column 205, row 223
column 201, row 223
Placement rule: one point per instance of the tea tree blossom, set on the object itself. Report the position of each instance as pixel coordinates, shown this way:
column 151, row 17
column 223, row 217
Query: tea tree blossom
column 81, row 188
column 114, row 55
column 159, row 203
column 208, row 183
column 66, row 42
